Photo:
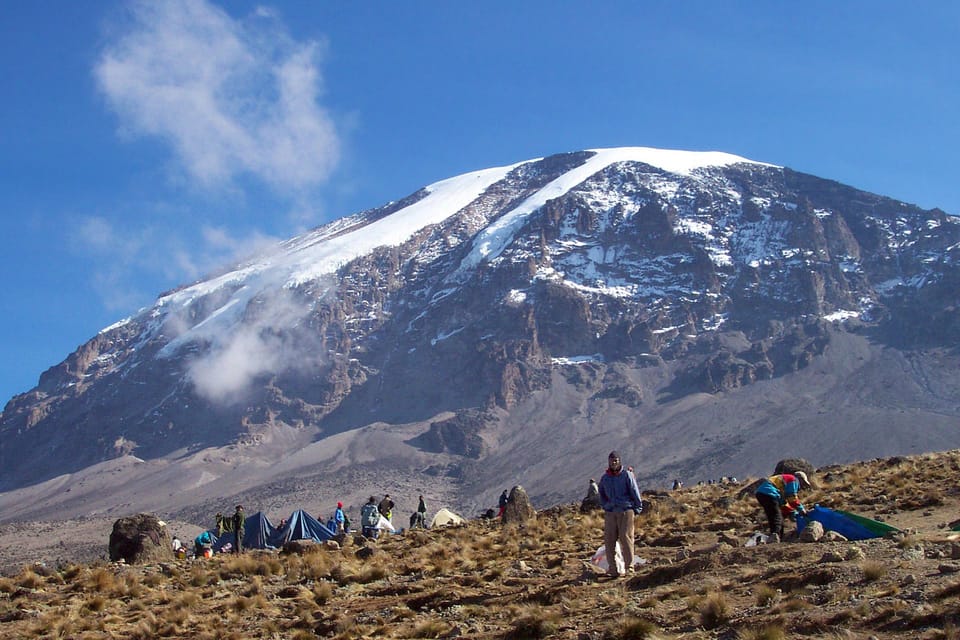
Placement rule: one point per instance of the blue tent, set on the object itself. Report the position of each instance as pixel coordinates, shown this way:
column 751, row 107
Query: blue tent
column 300, row 526
column 257, row 533
column 849, row 525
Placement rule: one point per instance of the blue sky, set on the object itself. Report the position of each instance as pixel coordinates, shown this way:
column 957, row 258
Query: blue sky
column 143, row 145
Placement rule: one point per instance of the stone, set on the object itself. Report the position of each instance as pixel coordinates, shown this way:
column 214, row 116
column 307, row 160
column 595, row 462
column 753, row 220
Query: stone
column 831, row 556
column 855, row 553
column 792, row 465
column 298, row 547
column 519, row 509
column 833, row 536
column 812, row 532
column 140, row 539
column 365, row 553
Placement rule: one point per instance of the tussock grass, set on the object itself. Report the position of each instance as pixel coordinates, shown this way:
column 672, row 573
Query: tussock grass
column 873, row 570
column 532, row 622
column 430, row 629
column 630, row 628
column 768, row 632
column 766, row 595
column 715, row 610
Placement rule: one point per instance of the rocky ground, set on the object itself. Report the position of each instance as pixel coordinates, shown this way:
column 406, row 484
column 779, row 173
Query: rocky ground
column 535, row 580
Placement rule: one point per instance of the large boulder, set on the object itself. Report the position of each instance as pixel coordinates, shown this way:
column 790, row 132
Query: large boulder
column 140, row 539
column 792, row 465
column 518, row 508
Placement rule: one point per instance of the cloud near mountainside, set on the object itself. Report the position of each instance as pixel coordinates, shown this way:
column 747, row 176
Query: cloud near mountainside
column 231, row 97
column 272, row 340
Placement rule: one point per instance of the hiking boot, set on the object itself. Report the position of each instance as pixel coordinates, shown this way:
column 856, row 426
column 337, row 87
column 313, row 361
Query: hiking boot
column 773, row 538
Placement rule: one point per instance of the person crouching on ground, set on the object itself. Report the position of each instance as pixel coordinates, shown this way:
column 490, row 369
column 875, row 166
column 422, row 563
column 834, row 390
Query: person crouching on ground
column 620, row 499
column 778, row 495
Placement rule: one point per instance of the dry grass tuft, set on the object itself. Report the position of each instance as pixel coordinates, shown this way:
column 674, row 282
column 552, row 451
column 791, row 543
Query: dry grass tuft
column 873, row 570
column 630, row 628
column 769, row 632
column 714, row 610
column 533, row 622
column 766, row 595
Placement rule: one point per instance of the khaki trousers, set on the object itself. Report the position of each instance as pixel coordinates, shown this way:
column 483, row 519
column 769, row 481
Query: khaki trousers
column 618, row 527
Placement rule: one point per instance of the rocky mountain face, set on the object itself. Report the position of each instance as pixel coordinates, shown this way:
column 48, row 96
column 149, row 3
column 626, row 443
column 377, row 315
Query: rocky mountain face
column 551, row 310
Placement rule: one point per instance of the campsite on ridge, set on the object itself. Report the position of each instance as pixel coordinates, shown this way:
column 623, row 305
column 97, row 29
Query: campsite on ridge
column 535, row 580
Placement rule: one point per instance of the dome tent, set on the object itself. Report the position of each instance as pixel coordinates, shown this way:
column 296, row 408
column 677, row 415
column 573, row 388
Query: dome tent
column 445, row 517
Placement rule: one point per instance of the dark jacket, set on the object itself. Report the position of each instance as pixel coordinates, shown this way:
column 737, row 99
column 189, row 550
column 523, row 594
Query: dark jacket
column 238, row 521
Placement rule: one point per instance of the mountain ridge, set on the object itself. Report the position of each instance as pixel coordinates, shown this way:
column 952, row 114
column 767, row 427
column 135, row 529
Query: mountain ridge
column 601, row 288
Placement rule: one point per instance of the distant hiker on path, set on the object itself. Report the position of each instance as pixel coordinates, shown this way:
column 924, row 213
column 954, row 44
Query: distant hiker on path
column 238, row 521
column 620, row 499
column 504, row 499
column 370, row 519
column 778, row 497
column 386, row 507
column 339, row 520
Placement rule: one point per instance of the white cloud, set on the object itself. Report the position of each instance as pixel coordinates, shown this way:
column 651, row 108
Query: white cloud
column 231, row 97
column 125, row 261
column 274, row 338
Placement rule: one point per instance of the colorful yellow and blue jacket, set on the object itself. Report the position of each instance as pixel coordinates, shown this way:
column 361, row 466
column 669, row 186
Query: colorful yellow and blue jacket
column 784, row 488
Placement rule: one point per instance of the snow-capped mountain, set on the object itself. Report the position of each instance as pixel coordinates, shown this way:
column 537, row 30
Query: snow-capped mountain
column 508, row 324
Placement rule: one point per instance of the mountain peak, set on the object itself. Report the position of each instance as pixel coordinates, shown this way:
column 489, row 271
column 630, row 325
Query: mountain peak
column 696, row 304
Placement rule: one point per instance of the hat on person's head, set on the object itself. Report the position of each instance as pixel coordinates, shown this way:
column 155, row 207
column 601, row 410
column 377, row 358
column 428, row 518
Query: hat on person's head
column 804, row 481
column 339, row 505
column 239, row 507
column 613, row 454
column 372, row 499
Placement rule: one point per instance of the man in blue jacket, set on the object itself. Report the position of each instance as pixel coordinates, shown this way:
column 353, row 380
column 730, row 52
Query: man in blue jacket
column 620, row 499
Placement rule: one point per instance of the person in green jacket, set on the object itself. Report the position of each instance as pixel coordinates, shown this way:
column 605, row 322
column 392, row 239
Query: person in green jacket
column 238, row 522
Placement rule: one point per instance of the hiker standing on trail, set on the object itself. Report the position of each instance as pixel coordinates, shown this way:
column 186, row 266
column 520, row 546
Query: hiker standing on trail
column 504, row 499
column 370, row 519
column 386, row 507
column 339, row 520
column 778, row 497
column 620, row 499
column 238, row 522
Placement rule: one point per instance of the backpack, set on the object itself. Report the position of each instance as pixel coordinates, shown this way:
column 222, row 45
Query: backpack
column 369, row 515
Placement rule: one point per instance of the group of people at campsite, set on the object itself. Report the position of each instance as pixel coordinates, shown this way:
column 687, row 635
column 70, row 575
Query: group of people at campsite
column 617, row 494
column 619, row 497
column 372, row 516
